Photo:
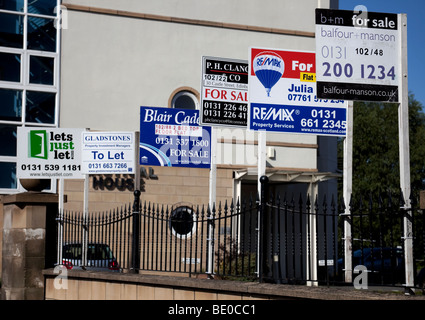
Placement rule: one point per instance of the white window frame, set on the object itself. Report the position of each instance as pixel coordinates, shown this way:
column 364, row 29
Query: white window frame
column 24, row 85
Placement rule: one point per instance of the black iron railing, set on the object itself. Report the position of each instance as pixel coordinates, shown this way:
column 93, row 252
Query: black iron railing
column 272, row 238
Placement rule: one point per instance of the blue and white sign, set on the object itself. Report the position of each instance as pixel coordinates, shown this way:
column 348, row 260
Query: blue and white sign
column 108, row 153
column 282, row 95
column 173, row 138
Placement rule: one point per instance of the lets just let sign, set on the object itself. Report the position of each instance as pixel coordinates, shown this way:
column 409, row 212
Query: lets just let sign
column 45, row 153
column 282, row 95
column 173, row 138
column 357, row 55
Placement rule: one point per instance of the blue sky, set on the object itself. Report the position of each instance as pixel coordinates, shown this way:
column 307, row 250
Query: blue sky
column 415, row 10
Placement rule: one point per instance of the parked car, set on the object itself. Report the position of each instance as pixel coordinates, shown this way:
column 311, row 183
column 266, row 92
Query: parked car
column 383, row 264
column 99, row 257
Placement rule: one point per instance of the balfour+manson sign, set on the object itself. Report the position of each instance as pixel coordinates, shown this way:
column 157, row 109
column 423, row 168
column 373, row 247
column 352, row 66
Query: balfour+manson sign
column 357, row 55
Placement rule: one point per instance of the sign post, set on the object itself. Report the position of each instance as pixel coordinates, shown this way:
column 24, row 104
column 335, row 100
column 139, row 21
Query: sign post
column 282, row 98
column 224, row 102
column 50, row 153
column 405, row 156
column 363, row 56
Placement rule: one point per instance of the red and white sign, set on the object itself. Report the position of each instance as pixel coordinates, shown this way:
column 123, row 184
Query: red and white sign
column 282, row 95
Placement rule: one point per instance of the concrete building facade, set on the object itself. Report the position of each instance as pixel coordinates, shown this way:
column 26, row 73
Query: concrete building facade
column 93, row 63
column 116, row 57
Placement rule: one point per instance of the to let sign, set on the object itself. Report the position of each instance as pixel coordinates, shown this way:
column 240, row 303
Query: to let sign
column 45, row 153
column 108, row 153
column 357, row 55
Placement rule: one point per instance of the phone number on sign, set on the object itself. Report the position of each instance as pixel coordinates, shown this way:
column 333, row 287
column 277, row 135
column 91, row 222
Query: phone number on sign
column 107, row 165
column 324, row 119
column 308, row 98
column 50, row 167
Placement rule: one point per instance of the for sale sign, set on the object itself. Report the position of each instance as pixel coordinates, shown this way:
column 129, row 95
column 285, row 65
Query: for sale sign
column 282, row 95
column 173, row 138
column 357, row 55
column 224, row 89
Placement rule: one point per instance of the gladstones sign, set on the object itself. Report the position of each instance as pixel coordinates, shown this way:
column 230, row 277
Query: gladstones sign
column 108, row 153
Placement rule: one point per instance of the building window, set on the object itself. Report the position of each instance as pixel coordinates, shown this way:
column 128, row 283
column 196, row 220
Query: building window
column 41, row 70
column 45, row 7
column 41, row 34
column 8, row 175
column 10, row 67
column 8, row 140
column 40, row 107
column 10, row 105
column 184, row 98
column 11, row 30
column 29, row 76
column 182, row 222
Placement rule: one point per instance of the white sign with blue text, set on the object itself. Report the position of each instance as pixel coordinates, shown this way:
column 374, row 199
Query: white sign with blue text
column 173, row 138
column 108, row 153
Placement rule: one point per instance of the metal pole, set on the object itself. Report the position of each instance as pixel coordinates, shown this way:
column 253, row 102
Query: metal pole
column 60, row 221
column 85, row 220
column 347, row 190
column 212, row 200
column 261, row 167
column 312, row 258
column 403, row 119
column 136, row 232
column 263, row 181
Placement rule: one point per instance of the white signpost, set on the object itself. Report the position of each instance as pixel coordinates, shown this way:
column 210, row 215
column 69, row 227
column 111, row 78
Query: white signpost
column 362, row 55
column 50, row 153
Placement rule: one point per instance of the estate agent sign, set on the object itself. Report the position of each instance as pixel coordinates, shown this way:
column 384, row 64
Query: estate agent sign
column 357, row 55
column 108, row 153
column 173, row 138
column 45, row 153
column 282, row 95
column 224, row 87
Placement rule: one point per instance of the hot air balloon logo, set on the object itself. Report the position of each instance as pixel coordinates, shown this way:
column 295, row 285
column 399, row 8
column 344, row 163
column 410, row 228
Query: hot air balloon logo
column 268, row 67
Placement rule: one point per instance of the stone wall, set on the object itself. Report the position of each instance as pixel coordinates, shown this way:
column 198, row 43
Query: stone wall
column 24, row 250
column 86, row 285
